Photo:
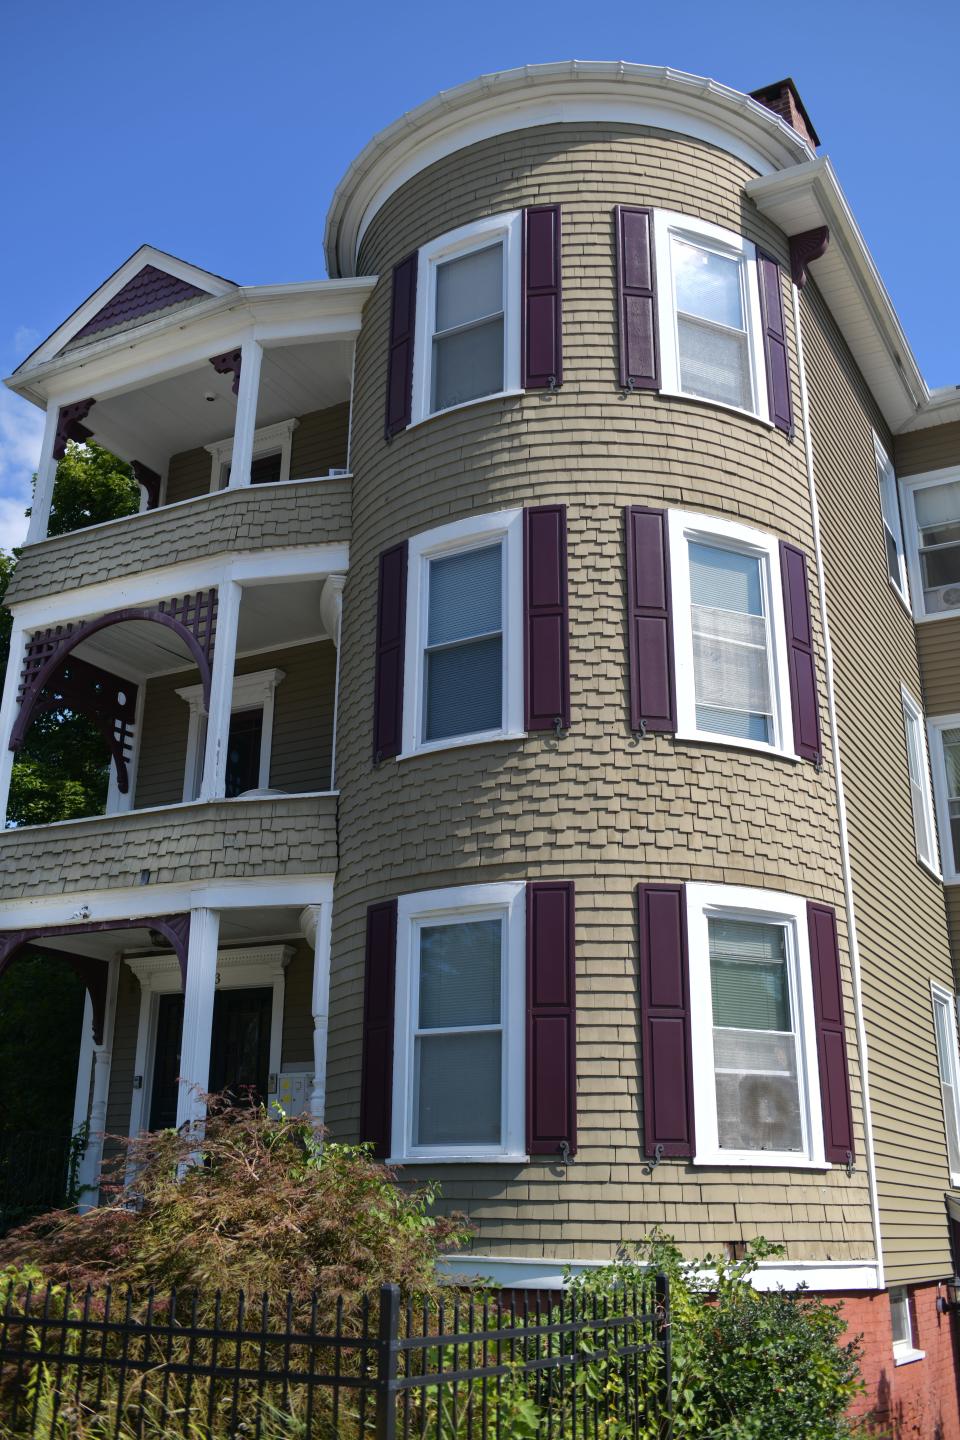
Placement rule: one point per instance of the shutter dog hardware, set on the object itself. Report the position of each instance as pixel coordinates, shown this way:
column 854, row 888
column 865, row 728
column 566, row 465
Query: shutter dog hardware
column 654, row 1160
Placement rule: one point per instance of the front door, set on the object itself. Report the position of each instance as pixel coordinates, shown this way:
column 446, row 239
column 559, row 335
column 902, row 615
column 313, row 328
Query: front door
column 239, row 1050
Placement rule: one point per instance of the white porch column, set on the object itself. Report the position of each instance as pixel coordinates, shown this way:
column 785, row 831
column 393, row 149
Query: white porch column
column 88, row 1171
column 46, row 474
column 198, row 1014
column 248, row 392
column 214, row 781
column 8, row 712
column 331, row 613
column 315, row 922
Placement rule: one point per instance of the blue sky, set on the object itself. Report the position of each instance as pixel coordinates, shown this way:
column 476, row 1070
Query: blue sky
column 218, row 130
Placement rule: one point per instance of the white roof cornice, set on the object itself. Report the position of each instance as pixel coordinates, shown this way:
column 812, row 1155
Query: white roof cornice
column 573, row 91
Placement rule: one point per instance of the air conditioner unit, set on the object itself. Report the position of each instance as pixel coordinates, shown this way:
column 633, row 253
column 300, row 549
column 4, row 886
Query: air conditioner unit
column 766, row 1113
column 942, row 597
column 334, row 472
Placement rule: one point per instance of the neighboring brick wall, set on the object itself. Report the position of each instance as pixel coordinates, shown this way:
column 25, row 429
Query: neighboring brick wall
column 597, row 808
column 916, row 1401
column 259, row 517
column 231, row 838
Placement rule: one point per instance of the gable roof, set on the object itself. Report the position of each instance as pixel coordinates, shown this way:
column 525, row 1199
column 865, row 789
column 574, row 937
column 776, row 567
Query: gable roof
column 149, row 284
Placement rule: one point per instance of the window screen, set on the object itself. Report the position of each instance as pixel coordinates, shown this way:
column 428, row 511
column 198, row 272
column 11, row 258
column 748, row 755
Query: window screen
column 458, row 1041
column 947, row 1060
column 892, row 529
column 463, row 660
column 468, row 328
column 900, row 1320
column 731, row 663
column 754, row 1037
column 951, row 761
column 714, row 351
column 919, row 784
column 938, row 525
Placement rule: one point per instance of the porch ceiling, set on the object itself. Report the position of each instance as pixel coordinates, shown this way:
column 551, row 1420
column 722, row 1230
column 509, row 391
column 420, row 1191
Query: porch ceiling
column 237, row 927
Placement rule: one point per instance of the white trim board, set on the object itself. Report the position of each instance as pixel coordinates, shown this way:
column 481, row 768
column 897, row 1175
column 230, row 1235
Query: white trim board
column 522, row 1272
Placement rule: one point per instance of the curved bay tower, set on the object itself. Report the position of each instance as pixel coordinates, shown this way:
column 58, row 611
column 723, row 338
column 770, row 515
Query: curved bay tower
column 539, row 774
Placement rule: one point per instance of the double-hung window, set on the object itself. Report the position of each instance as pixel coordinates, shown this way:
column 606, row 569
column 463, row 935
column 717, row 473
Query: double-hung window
column 468, row 316
column 711, row 338
column 932, row 511
column 948, row 1060
column 732, row 679
column 755, row 1068
column 249, row 740
column 901, row 1326
column 918, row 771
column 458, row 1051
column 464, row 633
column 892, row 528
column 944, row 731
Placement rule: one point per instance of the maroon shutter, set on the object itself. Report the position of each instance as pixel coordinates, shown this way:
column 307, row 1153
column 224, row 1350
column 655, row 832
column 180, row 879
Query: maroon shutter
column 775, row 343
column 542, row 342
column 376, row 1070
column 545, row 619
column 637, row 299
column 551, row 1018
column 831, row 1039
column 403, row 312
column 391, row 637
column 665, row 1020
column 649, row 621
column 803, row 670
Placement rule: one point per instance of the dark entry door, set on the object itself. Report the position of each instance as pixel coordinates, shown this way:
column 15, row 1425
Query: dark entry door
column 239, row 1049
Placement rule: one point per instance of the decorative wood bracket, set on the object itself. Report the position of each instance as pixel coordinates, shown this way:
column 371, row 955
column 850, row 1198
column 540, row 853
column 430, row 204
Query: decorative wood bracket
column 192, row 617
column 109, row 701
column 69, row 426
column 93, row 972
column 228, row 364
column 148, row 480
column 810, row 245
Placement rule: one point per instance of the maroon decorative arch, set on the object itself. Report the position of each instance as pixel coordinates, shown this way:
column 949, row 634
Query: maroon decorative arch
column 228, row 364
column 93, row 972
column 804, row 248
column 148, row 480
column 108, row 700
column 192, row 617
column 70, row 426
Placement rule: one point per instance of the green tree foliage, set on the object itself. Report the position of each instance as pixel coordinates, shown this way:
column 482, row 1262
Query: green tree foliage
column 91, row 486
column 41, row 1008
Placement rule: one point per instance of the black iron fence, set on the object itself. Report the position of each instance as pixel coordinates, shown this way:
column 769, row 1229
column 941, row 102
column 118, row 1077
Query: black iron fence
column 37, row 1173
column 470, row 1367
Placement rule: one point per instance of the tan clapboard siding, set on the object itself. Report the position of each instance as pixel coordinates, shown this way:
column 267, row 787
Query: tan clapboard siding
column 598, row 808
column 938, row 642
column 297, row 1044
column 900, row 908
column 302, row 724
column 188, row 475
column 935, row 448
column 320, row 442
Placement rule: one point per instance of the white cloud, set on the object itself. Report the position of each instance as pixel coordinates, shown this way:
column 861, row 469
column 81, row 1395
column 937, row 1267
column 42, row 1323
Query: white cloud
column 21, row 431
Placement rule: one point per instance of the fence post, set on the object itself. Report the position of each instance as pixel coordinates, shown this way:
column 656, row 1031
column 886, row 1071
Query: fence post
column 387, row 1353
column 662, row 1311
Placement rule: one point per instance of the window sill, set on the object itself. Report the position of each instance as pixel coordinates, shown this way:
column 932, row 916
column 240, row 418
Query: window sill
column 903, row 599
column 718, row 405
column 472, row 1159
column 908, row 1356
column 937, row 615
column 457, row 742
column 464, row 405
column 709, row 737
column 768, row 1159
column 931, row 870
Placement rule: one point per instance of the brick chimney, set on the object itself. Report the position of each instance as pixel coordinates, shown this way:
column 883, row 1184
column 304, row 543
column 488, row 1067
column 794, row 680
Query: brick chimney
column 783, row 99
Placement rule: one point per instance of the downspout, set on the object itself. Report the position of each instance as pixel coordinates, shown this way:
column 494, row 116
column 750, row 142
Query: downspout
column 841, row 802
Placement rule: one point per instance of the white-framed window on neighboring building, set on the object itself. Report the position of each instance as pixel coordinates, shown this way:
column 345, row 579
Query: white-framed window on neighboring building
column 464, row 644
column 756, row 1083
column 901, row 1325
column 931, row 506
column 944, row 735
column 731, row 663
column 918, row 771
column 272, row 451
column 250, row 740
column 468, row 316
column 711, row 335
column 948, row 1060
column 892, row 527
column 458, row 1081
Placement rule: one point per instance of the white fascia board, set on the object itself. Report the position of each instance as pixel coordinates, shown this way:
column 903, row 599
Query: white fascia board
column 942, row 408
column 137, row 901
column 521, row 1272
column 572, row 91
column 806, row 197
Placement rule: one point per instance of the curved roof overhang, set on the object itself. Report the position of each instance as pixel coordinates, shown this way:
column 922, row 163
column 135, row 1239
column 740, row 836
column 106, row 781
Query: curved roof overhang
column 573, row 91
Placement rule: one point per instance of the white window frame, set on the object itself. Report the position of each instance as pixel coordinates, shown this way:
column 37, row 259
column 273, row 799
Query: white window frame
column 949, row 862
column 668, row 224
column 913, row 722
column 683, row 527
column 465, row 903
column 890, row 518
column 267, row 441
column 474, row 533
column 455, row 244
column 910, row 488
column 904, row 1351
column 250, row 692
column 735, row 902
column 942, row 996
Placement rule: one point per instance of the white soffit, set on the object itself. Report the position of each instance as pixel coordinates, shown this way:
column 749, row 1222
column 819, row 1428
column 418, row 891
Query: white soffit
column 566, row 92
